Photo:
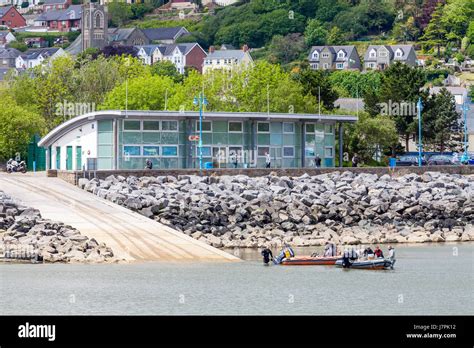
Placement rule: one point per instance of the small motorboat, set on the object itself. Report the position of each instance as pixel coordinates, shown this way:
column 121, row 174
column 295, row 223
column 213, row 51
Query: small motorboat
column 310, row 260
column 368, row 264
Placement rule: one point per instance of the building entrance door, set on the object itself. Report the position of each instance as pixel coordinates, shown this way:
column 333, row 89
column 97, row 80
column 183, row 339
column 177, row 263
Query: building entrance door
column 69, row 158
column 219, row 156
column 78, row 157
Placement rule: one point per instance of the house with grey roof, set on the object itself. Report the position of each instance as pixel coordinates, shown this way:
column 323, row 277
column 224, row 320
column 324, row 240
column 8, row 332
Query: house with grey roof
column 227, row 59
column 8, row 57
column 184, row 55
column 379, row 57
column 127, row 37
column 36, row 56
column 52, row 5
column 165, row 35
column 5, row 38
column 61, row 20
column 334, row 58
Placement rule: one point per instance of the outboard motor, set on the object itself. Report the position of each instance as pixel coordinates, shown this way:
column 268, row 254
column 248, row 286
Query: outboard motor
column 285, row 254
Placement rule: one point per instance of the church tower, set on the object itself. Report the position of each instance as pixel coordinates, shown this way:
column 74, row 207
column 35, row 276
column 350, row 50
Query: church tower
column 94, row 25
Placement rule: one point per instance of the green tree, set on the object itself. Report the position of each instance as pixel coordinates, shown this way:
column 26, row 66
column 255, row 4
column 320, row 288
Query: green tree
column 441, row 121
column 435, row 33
column 285, row 49
column 144, row 93
column 335, row 36
column 317, row 84
column 402, row 84
column 17, row 126
column 119, row 13
column 166, row 68
column 372, row 135
column 315, row 33
column 456, row 17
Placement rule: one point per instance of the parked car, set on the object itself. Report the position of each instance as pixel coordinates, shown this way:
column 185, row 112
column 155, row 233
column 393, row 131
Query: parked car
column 409, row 160
column 440, row 160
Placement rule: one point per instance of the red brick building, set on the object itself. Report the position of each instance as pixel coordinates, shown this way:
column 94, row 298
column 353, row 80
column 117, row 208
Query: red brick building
column 11, row 18
column 61, row 20
column 51, row 5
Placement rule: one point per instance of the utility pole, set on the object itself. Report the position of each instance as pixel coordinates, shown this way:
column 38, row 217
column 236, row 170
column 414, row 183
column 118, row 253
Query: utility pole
column 420, row 143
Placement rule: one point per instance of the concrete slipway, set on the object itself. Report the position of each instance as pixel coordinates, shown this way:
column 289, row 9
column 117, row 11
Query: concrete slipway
column 131, row 236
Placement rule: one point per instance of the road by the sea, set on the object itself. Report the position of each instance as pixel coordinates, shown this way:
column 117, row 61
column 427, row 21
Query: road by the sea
column 428, row 280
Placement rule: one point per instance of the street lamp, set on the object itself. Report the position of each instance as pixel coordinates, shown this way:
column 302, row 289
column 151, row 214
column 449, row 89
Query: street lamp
column 419, row 107
column 465, row 109
column 201, row 101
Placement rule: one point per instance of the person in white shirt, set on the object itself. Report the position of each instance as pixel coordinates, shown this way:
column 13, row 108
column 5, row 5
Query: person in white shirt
column 268, row 160
column 391, row 255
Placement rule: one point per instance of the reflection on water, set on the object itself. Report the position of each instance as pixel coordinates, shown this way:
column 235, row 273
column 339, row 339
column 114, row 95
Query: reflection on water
column 428, row 279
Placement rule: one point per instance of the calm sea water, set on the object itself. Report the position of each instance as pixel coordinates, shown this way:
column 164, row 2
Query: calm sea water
column 428, row 279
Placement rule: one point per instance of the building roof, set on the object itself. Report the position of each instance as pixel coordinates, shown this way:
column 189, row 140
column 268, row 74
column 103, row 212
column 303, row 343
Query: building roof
column 4, row 33
column 9, row 53
column 167, row 50
column 54, row 2
column 71, row 13
column 4, row 10
column 120, row 34
column 79, row 121
column 334, row 50
column 452, row 89
column 406, row 49
column 34, row 53
column 159, row 34
column 227, row 54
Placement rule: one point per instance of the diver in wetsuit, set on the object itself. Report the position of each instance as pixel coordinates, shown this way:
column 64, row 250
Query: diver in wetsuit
column 267, row 255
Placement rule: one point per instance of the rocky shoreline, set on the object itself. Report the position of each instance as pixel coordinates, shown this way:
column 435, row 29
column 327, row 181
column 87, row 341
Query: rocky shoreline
column 24, row 234
column 345, row 208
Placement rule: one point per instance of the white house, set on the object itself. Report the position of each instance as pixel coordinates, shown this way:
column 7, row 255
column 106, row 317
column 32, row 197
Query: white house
column 181, row 55
column 36, row 56
column 227, row 59
column 5, row 38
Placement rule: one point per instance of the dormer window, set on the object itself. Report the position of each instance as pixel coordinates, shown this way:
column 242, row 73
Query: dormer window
column 341, row 54
column 399, row 53
column 315, row 55
column 372, row 54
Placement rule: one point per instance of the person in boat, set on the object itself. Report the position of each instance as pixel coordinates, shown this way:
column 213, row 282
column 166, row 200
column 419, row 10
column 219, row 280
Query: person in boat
column 329, row 249
column 391, row 255
column 378, row 252
column 267, row 255
column 346, row 263
column 368, row 251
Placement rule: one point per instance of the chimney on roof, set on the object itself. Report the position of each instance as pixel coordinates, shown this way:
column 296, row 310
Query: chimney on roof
column 245, row 48
column 212, row 49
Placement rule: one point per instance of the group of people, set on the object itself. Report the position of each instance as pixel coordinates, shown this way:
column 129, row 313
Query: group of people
column 348, row 255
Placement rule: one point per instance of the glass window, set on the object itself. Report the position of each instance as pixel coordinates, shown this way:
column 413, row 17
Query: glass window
column 169, row 125
column 169, row 151
column 131, row 150
column 328, row 152
column 263, row 150
column 131, row 125
column 151, row 151
column 263, row 127
column 235, row 127
column 309, row 152
column 329, row 128
column 206, row 151
column 151, row 125
column 310, row 128
column 288, row 151
column 288, row 127
column 206, row 126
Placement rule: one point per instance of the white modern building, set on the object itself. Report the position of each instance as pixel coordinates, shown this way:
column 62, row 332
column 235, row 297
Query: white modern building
column 36, row 56
column 227, row 59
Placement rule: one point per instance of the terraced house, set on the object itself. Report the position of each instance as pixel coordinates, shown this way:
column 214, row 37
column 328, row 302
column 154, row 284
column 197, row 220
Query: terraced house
column 380, row 57
column 334, row 58
column 116, row 139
